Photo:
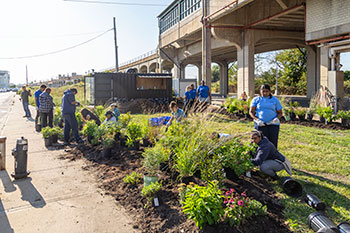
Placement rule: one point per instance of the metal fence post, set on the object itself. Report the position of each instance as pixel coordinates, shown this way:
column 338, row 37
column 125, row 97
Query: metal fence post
column 2, row 153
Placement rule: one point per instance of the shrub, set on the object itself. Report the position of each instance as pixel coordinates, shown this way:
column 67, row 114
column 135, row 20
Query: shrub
column 327, row 113
column 300, row 111
column 133, row 178
column 203, row 204
column 125, row 120
column 46, row 132
column 153, row 157
column 108, row 140
column 150, row 191
column 343, row 114
column 57, row 117
column 134, row 132
column 240, row 207
column 90, row 128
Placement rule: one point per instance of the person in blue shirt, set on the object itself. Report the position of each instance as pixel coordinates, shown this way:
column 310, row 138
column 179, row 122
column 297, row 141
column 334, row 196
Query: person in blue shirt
column 193, row 92
column 115, row 111
column 177, row 113
column 188, row 99
column 37, row 103
column 267, row 157
column 266, row 110
column 68, row 114
column 203, row 93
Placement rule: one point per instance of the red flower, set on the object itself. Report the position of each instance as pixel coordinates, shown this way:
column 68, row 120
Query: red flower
column 240, row 202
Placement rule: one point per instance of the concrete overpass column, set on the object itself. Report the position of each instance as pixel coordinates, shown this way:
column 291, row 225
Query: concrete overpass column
column 245, row 59
column 183, row 73
column 199, row 75
column 223, row 78
column 324, row 67
column 313, row 74
column 177, row 72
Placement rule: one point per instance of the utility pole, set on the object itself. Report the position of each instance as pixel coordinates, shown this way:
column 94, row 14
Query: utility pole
column 206, row 45
column 116, row 46
column 26, row 75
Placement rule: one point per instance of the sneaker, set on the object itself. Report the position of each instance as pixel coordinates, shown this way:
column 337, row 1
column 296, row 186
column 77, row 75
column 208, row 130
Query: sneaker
column 66, row 143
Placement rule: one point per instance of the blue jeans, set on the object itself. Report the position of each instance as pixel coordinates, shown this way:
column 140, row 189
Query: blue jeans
column 26, row 108
column 70, row 122
column 270, row 131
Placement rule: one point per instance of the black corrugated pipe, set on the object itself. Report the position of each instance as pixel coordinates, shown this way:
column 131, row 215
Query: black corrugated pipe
column 344, row 227
column 321, row 224
column 314, row 202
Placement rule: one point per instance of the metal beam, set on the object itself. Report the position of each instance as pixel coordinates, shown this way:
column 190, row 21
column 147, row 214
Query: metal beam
column 281, row 3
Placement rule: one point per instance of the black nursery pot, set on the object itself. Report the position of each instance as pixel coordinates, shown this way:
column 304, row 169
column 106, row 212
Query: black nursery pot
column 137, row 145
column 292, row 116
column 291, row 187
column 301, row 117
column 320, row 223
column 48, row 141
column 117, row 136
column 322, row 119
column 107, row 152
column 230, row 174
column 89, row 138
column 123, row 141
column 38, row 128
column 345, row 122
column 187, row 179
column 54, row 138
column 309, row 117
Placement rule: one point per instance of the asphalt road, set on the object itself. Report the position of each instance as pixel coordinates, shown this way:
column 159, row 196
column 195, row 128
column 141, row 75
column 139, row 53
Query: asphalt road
column 5, row 103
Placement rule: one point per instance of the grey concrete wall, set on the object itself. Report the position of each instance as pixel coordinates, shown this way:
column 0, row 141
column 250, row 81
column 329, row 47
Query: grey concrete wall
column 327, row 18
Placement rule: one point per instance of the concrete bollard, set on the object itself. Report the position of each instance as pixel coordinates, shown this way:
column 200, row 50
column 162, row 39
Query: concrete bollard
column 2, row 153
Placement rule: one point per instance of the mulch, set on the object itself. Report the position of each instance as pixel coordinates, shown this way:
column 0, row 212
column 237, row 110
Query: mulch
column 168, row 217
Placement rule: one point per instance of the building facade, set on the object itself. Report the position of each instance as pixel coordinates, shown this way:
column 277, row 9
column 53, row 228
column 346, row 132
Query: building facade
column 4, row 79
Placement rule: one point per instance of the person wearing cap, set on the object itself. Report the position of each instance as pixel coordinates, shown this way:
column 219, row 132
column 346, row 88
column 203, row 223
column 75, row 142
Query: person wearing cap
column 37, row 103
column 115, row 111
column 110, row 117
column 266, row 110
column 25, row 101
column 46, row 108
column 267, row 157
column 68, row 108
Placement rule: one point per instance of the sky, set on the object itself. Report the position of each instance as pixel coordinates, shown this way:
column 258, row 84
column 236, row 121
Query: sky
column 32, row 27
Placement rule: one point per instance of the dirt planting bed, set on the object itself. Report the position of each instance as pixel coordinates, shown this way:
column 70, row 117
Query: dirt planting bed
column 168, row 217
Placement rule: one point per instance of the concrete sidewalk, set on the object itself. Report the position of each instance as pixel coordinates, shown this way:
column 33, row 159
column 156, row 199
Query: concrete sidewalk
column 58, row 196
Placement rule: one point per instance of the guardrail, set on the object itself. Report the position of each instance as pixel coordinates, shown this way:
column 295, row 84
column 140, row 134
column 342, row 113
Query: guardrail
column 148, row 54
column 176, row 12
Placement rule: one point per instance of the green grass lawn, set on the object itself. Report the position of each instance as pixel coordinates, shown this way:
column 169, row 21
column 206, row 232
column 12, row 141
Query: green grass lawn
column 320, row 160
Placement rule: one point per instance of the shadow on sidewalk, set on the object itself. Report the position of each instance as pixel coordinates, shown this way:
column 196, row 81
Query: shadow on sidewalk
column 5, row 226
column 30, row 193
column 7, row 182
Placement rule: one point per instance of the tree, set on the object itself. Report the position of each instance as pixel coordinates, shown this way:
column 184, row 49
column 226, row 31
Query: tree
column 347, row 75
column 215, row 73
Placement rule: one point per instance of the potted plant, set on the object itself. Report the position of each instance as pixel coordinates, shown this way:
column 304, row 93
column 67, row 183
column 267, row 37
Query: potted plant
column 345, row 118
column 107, row 143
column 90, row 130
column 46, row 132
column 54, row 134
column 310, row 113
column 286, row 113
column 151, row 164
column 300, row 112
column 150, row 192
column 328, row 114
column 293, row 106
column 319, row 111
column 134, row 133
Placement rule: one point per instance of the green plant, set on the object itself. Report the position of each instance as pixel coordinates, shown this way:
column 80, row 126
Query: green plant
column 203, row 204
column 232, row 104
column 133, row 178
column 124, row 120
column 150, row 191
column 95, row 141
column 134, row 132
column 79, row 118
column 90, row 128
column 153, row 157
column 240, row 207
column 46, row 132
column 57, row 117
column 328, row 113
column 343, row 115
column 300, row 111
column 235, row 155
column 108, row 140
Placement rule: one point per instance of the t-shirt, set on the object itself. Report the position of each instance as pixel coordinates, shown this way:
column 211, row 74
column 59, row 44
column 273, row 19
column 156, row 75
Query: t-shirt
column 193, row 93
column 266, row 107
column 24, row 96
column 36, row 95
column 203, row 91
column 179, row 114
column 187, row 95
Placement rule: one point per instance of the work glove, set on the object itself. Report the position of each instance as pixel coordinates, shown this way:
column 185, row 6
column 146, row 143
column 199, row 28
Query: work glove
column 77, row 104
column 259, row 122
column 275, row 121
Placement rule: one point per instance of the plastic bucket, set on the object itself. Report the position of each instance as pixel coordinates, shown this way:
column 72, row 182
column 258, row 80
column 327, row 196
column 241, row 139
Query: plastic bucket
column 315, row 202
column 291, row 187
column 147, row 180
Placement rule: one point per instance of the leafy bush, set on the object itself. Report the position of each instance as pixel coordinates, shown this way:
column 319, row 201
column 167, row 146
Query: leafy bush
column 46, row 132
column 231, row 104
column 134, row 132
column 108, row 140
column 203, row 204
column 235, row 155
column 79, row 119
column 327, row 113
column 344, row 114
column 240, row 207
column 57, row 117
column 125, row 120
column 90, row 128
column 133, row 178
column 153, row 157
column 150, row 191
column 300, row 111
